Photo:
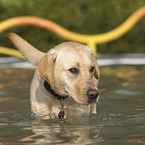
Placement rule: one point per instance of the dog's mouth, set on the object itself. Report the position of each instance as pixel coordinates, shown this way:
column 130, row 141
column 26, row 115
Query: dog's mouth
column 88, row 99
column 89, row 102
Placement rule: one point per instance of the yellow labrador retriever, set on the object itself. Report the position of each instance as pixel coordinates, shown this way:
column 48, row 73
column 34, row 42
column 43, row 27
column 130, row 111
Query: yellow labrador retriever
column 65, row 80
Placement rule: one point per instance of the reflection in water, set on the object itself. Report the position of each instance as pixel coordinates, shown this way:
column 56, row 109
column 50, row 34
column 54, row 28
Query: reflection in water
column 63, row 133
column 120, row 119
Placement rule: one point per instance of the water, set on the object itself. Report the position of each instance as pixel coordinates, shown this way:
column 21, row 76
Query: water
column 120, row 119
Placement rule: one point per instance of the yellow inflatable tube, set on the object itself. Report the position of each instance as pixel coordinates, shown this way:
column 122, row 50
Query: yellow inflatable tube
column 90, row 40
column 10, row 51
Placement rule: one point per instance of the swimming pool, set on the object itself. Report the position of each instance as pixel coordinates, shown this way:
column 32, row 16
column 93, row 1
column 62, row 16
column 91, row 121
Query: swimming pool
column 120, row 119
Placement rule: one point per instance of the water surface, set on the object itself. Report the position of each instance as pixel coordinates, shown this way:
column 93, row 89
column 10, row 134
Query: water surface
column 120, row 119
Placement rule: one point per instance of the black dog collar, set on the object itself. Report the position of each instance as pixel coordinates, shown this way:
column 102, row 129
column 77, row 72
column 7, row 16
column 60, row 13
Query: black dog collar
column 50, row 90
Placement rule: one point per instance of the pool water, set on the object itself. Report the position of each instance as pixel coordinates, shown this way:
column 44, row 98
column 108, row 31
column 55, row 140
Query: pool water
column 120, row 119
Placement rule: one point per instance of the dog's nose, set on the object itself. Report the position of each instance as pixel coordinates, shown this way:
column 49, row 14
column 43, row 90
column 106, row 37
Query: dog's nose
column 92, row 94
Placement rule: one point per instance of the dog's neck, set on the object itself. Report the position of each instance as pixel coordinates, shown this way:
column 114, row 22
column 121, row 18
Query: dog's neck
column 50, row 90
column 57, row 96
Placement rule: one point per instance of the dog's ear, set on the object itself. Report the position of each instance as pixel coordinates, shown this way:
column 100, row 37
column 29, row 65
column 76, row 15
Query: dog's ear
column 30, row 53
column 97, row 72
column 45, row 68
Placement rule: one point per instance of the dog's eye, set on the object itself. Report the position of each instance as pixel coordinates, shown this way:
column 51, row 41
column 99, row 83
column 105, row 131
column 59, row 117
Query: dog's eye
column 73, row 70
column 92, row 69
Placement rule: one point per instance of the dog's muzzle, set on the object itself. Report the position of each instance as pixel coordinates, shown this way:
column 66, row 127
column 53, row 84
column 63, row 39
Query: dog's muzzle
column 92, row 95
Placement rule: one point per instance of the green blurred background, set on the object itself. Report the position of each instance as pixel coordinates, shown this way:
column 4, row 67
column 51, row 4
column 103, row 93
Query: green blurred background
column 81, row 16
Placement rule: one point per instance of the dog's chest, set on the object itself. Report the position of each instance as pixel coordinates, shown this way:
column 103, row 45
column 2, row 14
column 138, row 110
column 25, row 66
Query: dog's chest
column 71, row 109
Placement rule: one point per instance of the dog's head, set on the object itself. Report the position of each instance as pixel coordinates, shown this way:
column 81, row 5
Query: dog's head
column 70, row 68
